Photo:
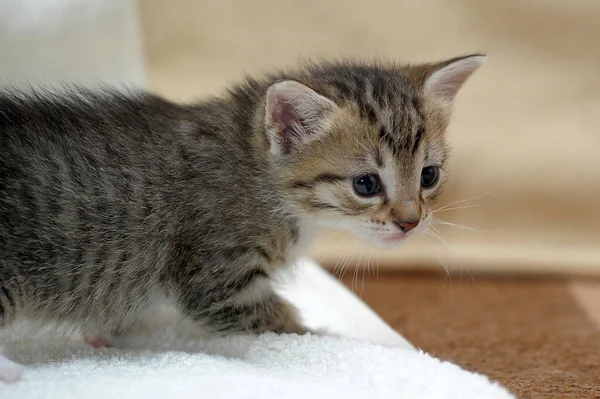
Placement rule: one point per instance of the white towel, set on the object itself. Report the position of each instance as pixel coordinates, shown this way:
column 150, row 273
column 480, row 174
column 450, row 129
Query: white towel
column 178, row 363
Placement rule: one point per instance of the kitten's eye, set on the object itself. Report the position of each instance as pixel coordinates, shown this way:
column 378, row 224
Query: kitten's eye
column 430, row 176
column 367, row 185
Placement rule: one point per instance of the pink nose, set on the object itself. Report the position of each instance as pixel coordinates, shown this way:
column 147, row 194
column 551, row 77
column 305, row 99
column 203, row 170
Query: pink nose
column 406, row 226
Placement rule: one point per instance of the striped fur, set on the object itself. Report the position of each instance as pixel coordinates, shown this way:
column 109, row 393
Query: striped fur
column 108, row 197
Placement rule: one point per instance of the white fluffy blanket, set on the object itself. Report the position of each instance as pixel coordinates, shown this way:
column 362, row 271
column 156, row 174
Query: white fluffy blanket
column 370, row 361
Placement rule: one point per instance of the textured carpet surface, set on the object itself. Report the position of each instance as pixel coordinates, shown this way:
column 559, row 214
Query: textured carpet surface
column 539, row 337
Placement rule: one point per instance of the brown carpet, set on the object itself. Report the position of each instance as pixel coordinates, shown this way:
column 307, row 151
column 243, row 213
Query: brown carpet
column 534, row 335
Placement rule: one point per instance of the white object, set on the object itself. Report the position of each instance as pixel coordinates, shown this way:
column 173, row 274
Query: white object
column 48, row 42
column 184, row 365
column 325, row 304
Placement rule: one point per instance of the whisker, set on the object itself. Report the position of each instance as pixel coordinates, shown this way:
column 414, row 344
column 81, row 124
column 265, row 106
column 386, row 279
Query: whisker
column 461, row 201
column 344, row 261
column 360, row 266
column 362, row 288
column 333, row 247
column 376, row 270
column 362, row 285
column 448, row 275
column 446, row 223
column 337, row 245
column 356, row 271
column 438, row 234
column 470, row 275
column 339, row 264
column 343, row 268
column 347, row 261
column 464, row 207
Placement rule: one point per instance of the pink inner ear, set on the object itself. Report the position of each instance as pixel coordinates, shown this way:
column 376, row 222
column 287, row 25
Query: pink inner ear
column 295, row 113
column 447, row 81
column 449, row 86
column 286, row 121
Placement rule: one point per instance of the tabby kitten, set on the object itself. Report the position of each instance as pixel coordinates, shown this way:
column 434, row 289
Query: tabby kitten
column 109, row 198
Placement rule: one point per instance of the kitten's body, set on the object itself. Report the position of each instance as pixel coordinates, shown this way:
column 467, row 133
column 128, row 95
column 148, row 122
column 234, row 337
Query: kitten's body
column 112, row 197
column 107, row 198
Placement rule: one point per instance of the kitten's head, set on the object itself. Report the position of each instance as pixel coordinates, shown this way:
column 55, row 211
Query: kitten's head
column 363, row 147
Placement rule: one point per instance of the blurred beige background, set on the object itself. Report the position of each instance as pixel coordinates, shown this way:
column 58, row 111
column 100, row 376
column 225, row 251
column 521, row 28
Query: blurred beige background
column 526, row 127
column 47, row 42
column 525, row 132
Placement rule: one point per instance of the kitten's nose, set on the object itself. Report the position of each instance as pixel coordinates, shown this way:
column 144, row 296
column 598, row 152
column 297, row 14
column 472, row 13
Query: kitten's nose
column 405, row 225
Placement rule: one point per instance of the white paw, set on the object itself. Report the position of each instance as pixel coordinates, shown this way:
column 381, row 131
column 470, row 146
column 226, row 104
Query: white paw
column 9, row 370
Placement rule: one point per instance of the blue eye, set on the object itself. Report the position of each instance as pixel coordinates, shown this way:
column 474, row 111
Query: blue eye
column 430, row 176
column 367, row 185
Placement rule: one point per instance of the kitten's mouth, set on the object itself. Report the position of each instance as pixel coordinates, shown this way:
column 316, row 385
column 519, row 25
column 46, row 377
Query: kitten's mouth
column 393, row 238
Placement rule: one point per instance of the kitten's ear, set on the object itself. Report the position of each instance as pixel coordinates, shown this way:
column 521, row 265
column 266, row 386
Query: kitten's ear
column 295, row 114
column 445, row 79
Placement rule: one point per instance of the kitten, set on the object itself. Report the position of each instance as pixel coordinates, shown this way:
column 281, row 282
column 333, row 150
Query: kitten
column 107, row 198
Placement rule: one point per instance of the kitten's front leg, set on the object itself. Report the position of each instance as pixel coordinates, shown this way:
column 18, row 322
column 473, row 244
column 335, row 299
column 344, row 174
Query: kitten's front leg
column 236, row 297
column 270, row 314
